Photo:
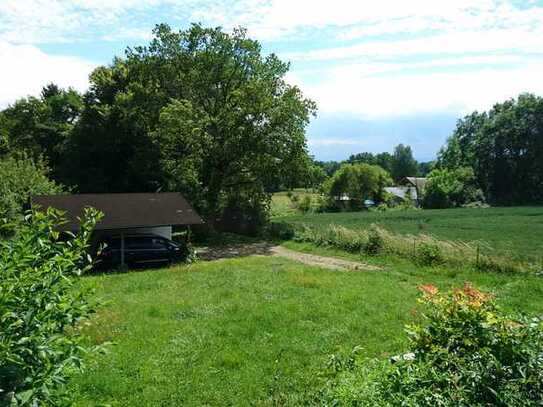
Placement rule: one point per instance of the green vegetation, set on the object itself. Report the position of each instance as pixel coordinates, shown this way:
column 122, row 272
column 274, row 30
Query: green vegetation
column 451, row 189
column 40, row 310
column 20, row 178
column 285, row 203
column 504, row 147
column 515, row 231
column 464, row 351
column 357, row 182
column 256, row 330
column 198, row 111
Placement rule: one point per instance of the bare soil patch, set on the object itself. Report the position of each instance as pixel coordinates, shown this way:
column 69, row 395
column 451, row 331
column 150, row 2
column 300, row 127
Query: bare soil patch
column 268, row 249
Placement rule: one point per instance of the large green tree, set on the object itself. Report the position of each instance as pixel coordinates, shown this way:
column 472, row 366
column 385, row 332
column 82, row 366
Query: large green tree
column 40, row 127
column 504, row 146
column 199, row 111
column 451, row 188
column 358, row 182
column 384, row 160
column 403, row 164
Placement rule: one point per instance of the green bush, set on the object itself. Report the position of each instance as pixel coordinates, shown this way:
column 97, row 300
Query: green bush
column 40, row 308
column 451, row 188
column 429, row 254
column 375, row 243
column 305, row 204
column 21, row 177
column 465, row 352
column 281, row 230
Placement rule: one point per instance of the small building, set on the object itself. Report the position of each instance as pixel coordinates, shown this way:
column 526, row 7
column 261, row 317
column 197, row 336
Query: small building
column 124, row 213
column 415, row 182
column 409, row 188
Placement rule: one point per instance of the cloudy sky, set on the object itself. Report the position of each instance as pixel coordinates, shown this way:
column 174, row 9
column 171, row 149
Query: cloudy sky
column 382, row 72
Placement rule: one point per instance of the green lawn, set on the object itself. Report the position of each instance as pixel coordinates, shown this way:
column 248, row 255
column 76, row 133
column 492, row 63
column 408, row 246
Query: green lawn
column 256, row 330
column 518, row 230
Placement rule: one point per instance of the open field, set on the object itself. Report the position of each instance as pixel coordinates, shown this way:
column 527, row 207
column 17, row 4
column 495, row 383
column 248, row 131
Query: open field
column 255, row 330
column 518, row 230
column 281, row 204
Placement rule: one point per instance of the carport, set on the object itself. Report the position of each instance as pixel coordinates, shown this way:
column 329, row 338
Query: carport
column 124, row 213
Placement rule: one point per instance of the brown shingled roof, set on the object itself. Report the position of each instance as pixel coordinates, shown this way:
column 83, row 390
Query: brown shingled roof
column 123, row 211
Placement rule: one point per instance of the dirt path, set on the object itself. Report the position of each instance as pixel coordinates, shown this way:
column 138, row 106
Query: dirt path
column 266, row 249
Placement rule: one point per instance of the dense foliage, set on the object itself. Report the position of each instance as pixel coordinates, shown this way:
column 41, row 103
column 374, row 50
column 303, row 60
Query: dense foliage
column 451, row 188
column 384, row 160
column 40, row 308
column 403, row 163
column 464, row 352
column 197, row 111
column 356, row 183
column 505, row 148
column 399, row 164
column 20, row 178
column 41, row 127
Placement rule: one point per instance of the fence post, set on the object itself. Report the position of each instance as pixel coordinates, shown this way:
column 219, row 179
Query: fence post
column 477, row 260
column 414, row 247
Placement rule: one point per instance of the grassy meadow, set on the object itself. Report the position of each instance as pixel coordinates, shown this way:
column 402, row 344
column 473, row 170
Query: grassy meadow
column 255, row 330
column 260, row 331
column 515, row 230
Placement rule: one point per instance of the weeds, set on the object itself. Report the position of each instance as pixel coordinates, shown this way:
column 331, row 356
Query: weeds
column 423, row 249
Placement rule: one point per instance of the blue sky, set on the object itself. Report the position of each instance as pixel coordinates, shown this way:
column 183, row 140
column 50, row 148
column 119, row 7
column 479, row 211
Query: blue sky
column 382, row 72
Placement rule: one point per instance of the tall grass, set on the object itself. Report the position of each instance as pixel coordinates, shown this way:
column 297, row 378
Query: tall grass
column 422, row 248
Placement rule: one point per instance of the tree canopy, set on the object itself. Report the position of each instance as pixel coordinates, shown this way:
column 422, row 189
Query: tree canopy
column 358, row 182
column 198, row 111
column 451, row 188
column 403, row 163
column 20, row 178
column 504, row 146
column 41, row 127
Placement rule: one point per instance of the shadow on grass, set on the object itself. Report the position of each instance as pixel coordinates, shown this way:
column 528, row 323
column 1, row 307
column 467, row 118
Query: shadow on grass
column 229, row 251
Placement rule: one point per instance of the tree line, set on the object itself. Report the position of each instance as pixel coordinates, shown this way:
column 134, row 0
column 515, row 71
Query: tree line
column 205, row 113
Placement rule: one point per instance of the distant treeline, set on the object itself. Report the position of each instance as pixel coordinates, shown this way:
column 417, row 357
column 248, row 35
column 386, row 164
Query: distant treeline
column 503, row 147
column 399, row 164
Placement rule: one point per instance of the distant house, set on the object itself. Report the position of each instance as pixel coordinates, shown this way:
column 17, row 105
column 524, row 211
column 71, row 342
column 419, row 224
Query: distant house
column 409, row 188
column 417, row 183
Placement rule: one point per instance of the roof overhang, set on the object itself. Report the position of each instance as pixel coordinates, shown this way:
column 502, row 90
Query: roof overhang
column 123, row 211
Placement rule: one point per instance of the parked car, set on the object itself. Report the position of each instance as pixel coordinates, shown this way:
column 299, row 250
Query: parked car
column 139, row 249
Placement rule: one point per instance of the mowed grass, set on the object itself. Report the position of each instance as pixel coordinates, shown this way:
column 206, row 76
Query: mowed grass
column 254, row 330
column 517, row 230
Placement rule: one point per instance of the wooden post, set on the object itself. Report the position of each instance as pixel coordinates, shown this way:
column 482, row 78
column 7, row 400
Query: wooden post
column 477, row 261
column 122, row 249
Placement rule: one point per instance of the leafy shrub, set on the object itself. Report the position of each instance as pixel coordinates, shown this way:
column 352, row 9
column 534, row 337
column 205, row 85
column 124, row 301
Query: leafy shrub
column 21, row 177
column 465, row 352
column 429, row 254
column 451, row 188
column 375, row 243
column 281, row 230
column 40, row 308
column 305, row 204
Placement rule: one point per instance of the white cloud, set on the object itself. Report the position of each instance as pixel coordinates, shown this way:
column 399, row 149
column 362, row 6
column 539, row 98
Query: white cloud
column 518, row 40
column 25, row 70
column 33, row 21
column 331, row 141
column 346, row 91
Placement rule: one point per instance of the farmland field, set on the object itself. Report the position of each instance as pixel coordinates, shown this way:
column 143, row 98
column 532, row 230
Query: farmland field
column 517, row 230
column 254, row 330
